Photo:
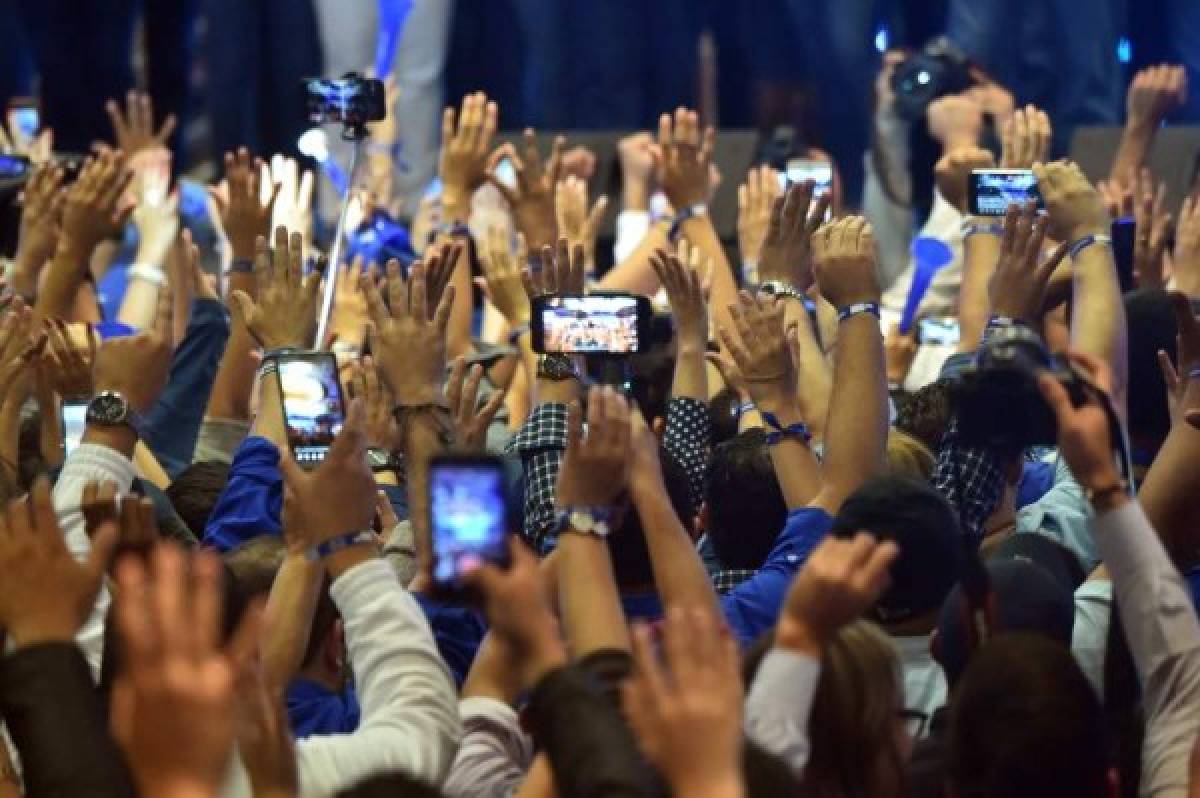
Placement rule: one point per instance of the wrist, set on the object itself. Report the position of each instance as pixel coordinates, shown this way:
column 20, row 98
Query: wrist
column 545, row 652
column 1085, row 229
column 800, row 638
column 117, row 437
column 456, row 206
column 343, row 560
column 241, row 247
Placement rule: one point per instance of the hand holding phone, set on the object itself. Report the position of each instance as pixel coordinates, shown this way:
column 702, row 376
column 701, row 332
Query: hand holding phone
column 596, row 324
column 313, row 408
column 352, row 100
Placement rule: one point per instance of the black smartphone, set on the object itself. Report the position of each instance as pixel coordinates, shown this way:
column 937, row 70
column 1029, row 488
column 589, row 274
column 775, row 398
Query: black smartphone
column 313, row 408
column 1124, row 233
column 349, row 100
column 469, row 514
column 596, row 324
column 74, row 419
column 991, row 191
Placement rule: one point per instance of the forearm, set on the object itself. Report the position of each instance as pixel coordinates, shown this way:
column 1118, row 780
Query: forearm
column 634, row 274
column 422, row 442
column 812, row 371
column 981, row 252
column 1098, row 316
column 1136, row 140
column 140, row 304
column 1167, row 494
column 587, row 596
column 796, row 467
column 291, row 604
column 230, row 397
column 856, row 437
column 63, row 276
column 678, row 571
column 691, row 372
column 268, row 421
column 700, row 232
column 492, row 674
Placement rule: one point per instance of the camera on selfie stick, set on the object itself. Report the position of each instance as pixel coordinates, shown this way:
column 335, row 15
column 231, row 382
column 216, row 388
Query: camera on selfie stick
column 351, row 101
column 940, row 68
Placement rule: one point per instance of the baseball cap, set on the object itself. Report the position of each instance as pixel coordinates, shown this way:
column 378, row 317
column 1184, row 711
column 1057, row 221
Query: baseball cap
column 1054, row 557
column 922, row 523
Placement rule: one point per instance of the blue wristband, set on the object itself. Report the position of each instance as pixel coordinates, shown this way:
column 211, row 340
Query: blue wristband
column 1194, row 374
column 797, row 430
column 1081, row 244
column 857, row 308
column 743, row 409
column 323, row 550
column 690, row 212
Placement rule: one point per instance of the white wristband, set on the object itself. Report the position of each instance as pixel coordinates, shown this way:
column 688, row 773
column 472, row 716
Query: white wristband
column 147, row 272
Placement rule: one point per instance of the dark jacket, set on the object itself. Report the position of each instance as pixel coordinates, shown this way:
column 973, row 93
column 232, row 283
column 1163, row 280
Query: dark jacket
column 58, row 724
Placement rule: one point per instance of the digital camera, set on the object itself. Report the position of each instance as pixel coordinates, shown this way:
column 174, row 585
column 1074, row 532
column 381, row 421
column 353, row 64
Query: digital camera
column 939, row 69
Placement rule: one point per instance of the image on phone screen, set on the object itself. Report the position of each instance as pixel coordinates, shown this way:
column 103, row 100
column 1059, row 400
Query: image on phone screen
column 993, row 190
column 312, row 404
column 506, row 173
column 938, row 331
column 74, row 419
column 470, row 520
column 590, row 324
column 819, row 172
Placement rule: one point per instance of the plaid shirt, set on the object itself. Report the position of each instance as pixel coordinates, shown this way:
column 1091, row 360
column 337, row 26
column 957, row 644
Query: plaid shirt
column 726, row 580
column 542, row 441
column 971, row 479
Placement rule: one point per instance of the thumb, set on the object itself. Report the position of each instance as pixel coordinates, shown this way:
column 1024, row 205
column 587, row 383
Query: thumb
column 241, row 306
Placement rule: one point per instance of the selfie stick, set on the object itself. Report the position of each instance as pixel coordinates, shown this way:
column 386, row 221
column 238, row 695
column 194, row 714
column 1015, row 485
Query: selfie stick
column 357, row 134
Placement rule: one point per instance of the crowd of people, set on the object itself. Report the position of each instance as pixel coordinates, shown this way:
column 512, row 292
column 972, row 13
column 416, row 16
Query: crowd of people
column 792, row 547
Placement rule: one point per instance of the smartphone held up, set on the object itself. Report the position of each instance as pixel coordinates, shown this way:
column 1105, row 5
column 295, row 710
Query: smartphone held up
column 470, row 514
column 597, row 324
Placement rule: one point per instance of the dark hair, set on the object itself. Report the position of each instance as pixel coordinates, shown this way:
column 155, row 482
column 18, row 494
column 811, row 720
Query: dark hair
column 746, row 509
column 653, row 371
column 195, row 491
column 627, row 543
column 1151, row 325
column 1024, row 721
column 722, row 420
column 390, row 785
column 925, row 414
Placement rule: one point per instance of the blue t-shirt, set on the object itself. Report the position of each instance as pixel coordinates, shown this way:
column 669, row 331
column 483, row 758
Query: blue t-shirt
column 312, row 709
column 753, row 607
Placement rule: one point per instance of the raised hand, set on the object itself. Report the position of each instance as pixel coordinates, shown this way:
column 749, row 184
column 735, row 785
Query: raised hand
column 134, row 129
column 410, row 344
column 758, row 344
column 685, row 157
column 1155, row 92
column 348, row 322
column 756, row 203
column 1026, row 138
column 576, row 223
column 137, row 366
column 137, row 529
column 157, row 222
column 293, row 197
column 686, row 712
column 593, row 472
column 787, row 251
column 173, row 701
column 1152, row 224
column 45, row 594
column 844, row 261
column 245, row 203
column 685, row 292
column 41, row 216
column 19, row 348
column 953, row 171
column 471, row 420
column 636, row 155
column 90, row 210
column 285, row 312
column 1073, row 204
column 67, row 364
column 841, row 581
column 1186, row 264
column 560, row 271
column 532, row 200
column 1018, row 285
column 955, row 121
column 365, row 385
column 466, row 146
column 343, row 474
column 502, row 276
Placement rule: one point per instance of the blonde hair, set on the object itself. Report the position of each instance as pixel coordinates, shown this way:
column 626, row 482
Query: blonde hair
column 854, row 715
column 908, row 457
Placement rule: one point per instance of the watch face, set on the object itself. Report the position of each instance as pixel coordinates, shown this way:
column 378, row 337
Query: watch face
column 557, row 367
column 108, row 408
column 378, row 458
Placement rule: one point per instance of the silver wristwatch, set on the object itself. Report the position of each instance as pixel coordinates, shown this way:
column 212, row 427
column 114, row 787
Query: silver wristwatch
column 778, row 288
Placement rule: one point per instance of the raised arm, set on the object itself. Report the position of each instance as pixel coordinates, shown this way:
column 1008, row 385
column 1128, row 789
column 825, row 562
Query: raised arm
column 1077, row 214
column 37, row 238
column 1154, row 92
column 856, row 432
column 156, row 218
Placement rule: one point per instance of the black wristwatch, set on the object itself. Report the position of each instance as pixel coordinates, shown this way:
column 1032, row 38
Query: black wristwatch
column 557, row 368
column 111, row 409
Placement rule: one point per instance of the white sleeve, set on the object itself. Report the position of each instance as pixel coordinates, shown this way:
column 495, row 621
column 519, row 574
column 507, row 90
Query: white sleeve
column 632, row 227
column 779, row 704
column 1164, row 638
column 495, row 754
column 86, row 463
column 409, row 712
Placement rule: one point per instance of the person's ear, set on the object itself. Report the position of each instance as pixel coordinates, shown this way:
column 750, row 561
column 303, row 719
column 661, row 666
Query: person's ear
column 659, row 425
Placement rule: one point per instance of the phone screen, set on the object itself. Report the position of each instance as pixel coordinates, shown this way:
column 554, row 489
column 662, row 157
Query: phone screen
column 819, row 172
column 943, row 332
column 590, row 324
column 313, row 410
column 13, row 167
column 469, row 514
column 345, row 100
column 993, row 190
column 506, row 173
column 74, row 419
column 23, row 122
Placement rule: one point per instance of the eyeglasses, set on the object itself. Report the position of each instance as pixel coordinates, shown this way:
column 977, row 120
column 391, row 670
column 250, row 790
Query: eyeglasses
column 914, row 719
